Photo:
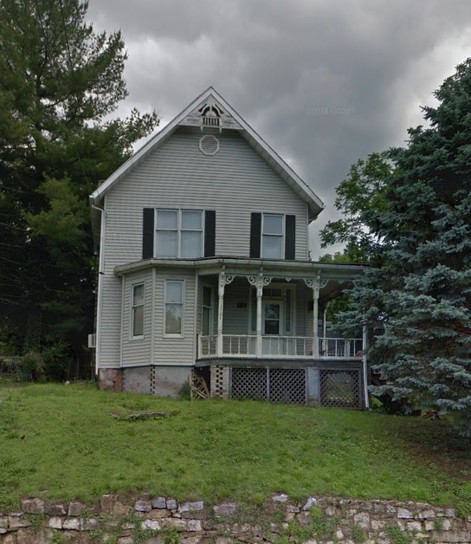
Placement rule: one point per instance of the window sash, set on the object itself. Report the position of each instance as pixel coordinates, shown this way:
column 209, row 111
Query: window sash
column 179, row 233
column 174, row 291
column 137, row 311
column 273, row 236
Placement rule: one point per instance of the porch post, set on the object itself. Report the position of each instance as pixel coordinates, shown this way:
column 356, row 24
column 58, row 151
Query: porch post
column 259, row 287
column 224, row 279
column 315, row 318
column 315, row 285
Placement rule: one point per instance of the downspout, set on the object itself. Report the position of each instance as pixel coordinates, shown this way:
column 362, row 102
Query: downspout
column 101, row 262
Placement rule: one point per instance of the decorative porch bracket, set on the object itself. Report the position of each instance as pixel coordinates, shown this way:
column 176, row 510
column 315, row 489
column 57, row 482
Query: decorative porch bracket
column 224, row 279
column 259, row 282
column 315, row 284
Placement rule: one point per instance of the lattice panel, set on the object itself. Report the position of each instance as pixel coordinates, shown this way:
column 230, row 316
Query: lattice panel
column 288, row 385
column 249, row 383
column 340, row 388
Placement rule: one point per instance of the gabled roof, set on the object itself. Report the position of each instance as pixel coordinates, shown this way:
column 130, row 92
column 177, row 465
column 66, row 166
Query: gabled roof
column 211, row 110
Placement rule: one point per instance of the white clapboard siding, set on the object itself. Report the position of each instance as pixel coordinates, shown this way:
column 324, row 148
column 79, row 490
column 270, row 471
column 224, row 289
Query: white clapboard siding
column 137, row 351
column 179, row 350
column 236, row 319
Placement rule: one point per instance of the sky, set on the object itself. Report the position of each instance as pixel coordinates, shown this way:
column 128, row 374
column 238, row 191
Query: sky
column 323, row 82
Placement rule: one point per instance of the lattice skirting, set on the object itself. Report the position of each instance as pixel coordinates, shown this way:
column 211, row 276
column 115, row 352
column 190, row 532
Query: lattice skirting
column 340, row 388
column 274, row 384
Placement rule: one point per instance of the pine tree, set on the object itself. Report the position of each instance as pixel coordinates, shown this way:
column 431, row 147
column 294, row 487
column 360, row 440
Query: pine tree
column 417, row 294
column 60, row 82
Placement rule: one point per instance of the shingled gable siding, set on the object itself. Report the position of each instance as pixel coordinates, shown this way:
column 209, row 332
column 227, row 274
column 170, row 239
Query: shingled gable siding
column 234, row 182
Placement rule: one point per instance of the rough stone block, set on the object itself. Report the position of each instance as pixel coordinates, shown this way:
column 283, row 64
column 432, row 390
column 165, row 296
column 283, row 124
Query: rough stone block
column 175, row 523
column 143, row 505
column 225, row 509
column 427, row 514
column 57, row 510
column 404, row 513
column 456, row 537
column 191, row 506
column 158, row 514
column 120, row 509
column 415, row 526
column 172, row 504
column 55, row 523
column 282, row 497
column 152, row 524
column 88, row 524
column 159, row 502
column 16, row 522
column 3, row 522
column 33, row 506
column 362, row 520
column 194, row 525
column 75, row 509
column 107, row 502
column 71, row 524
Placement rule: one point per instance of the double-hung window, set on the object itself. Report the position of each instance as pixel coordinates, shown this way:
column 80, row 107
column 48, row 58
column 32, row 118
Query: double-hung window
column 174, row 307
column 273, row 236
column 137, row 311
column 179, row 234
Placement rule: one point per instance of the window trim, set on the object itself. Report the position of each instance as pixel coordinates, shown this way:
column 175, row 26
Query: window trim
column 134, row 306
column 182, row 304
column 179, row 230
column 281, row 236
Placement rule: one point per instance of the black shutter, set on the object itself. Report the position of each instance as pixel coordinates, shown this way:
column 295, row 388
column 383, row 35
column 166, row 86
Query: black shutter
column 148, row 233
column 209, row 233
column 290, row 237
column 255, row 234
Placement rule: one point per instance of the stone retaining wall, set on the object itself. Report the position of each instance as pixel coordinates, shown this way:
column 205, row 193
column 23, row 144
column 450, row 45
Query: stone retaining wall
column 162, row 520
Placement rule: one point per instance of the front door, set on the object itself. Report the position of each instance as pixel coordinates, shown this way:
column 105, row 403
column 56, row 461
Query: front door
column 272, row 326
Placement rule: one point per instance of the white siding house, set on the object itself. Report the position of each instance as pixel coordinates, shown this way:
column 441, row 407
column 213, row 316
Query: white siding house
column 204, row 269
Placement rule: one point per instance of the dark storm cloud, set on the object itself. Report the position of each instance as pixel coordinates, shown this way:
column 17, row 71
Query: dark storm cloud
column 324, row 82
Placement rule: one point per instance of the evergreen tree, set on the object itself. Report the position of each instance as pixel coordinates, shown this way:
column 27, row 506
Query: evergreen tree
column 418, row 291
column 59, row 84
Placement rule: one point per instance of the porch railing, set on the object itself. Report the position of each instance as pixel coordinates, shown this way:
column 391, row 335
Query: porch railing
column 237, row 345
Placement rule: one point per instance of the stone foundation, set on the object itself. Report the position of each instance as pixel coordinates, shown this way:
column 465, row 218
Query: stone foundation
column 160, row 520
column 111, row 379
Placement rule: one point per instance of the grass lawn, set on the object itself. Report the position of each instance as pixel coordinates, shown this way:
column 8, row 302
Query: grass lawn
column 61, row 442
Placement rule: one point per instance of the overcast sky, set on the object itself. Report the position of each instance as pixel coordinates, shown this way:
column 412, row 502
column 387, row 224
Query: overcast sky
column 324, row 82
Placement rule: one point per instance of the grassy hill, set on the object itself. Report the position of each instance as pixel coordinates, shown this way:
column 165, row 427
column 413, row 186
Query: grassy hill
column 61, row 442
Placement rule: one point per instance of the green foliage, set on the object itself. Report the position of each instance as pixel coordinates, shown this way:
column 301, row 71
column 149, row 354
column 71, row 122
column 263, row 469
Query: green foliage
column 358, row 534
column 51, row 434
column 416, row 297
column 60, row 84
column 362, row 191
column 399, row 536
column 47, row 363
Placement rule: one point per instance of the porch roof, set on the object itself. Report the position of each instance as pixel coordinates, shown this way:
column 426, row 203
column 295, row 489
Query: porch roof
column 246, row 267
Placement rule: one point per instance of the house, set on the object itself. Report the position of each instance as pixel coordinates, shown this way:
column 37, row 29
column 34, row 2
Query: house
column 204, row 270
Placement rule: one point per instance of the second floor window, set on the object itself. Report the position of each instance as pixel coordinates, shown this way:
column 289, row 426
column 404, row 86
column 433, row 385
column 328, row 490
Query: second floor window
column 273, row 233
column 179, row 234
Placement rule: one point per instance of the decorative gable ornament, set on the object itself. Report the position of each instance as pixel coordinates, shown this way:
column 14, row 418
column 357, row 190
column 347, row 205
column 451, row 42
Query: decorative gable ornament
column 212, row 115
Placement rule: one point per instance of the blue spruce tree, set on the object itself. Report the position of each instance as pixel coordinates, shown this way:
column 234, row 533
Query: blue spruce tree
column 416, row 297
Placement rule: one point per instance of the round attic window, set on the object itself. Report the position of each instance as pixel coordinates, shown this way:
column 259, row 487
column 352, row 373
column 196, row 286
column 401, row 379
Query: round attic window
column 209, row 144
